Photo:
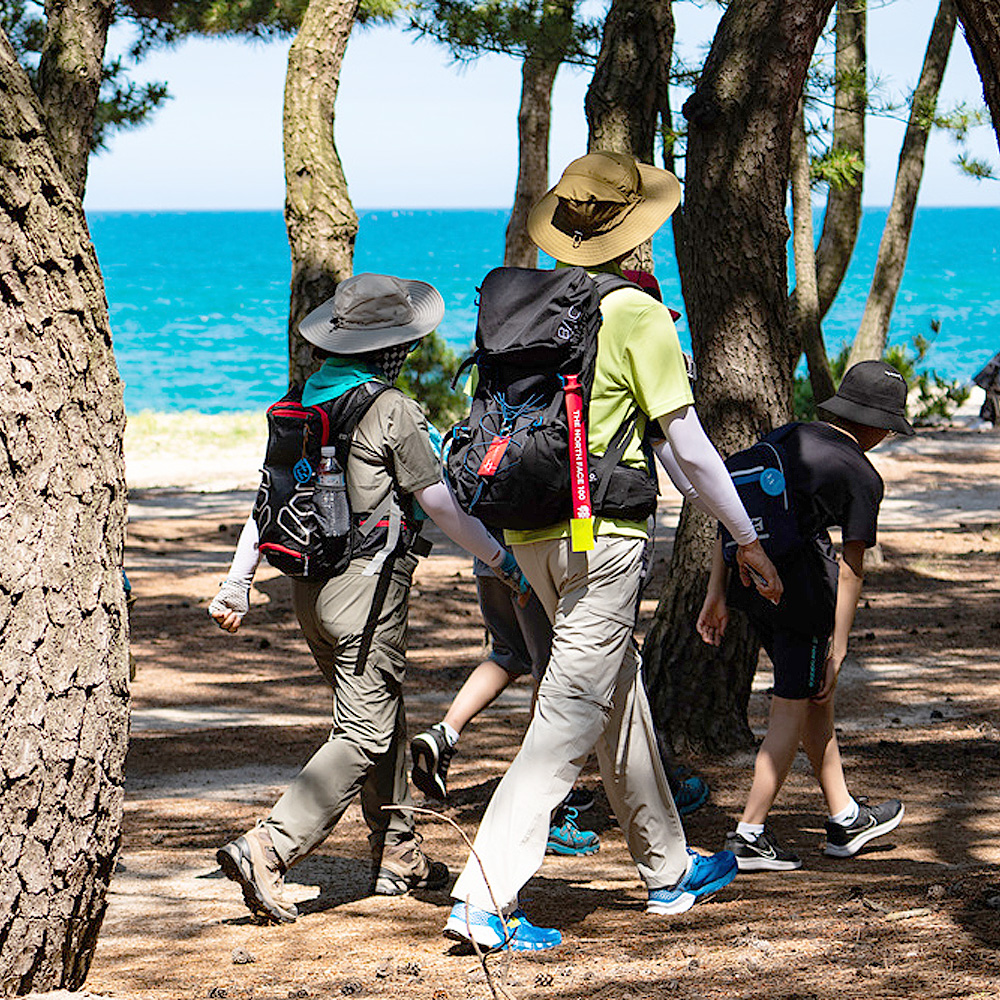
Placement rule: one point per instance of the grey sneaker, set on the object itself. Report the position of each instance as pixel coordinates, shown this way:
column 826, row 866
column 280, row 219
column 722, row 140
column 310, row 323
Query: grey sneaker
column 845, row 840
column 404, row 866
column 253, row 863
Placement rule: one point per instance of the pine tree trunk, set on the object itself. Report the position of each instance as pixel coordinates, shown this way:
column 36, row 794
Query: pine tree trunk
column 322, row 224
column 629, row 87
column 63, row 633
column 805, row 322
column 842, row 218
column 533, row 122
column 981, row 22
column 870, row 340
column 69, row 80
column 732, row 262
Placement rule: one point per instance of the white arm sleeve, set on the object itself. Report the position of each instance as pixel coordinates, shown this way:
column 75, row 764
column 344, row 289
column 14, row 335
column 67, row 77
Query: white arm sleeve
column 666, row 458
column 247, row 555
column 442, row 508
column 702, row 467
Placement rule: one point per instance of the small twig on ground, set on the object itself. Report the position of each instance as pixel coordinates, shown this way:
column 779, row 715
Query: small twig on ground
column 497, row 909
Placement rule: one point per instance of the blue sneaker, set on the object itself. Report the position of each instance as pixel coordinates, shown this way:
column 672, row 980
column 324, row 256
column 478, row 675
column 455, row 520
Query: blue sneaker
column 565, row 837
column 691, row 794
column 469, row 923
column 706, row 875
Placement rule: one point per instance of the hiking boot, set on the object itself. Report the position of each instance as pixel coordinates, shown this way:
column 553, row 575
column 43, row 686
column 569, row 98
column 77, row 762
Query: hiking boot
column 761, row 853
column 431, row 753
column 692, row 793
column 580, row 799
column 705, row 876
column 469, row 923
column 404, row 866
column 252, row 861
column 845, row 840
column 565, row 837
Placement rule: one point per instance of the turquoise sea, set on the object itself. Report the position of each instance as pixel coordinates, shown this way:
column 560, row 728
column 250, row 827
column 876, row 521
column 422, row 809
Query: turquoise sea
column 198, row 300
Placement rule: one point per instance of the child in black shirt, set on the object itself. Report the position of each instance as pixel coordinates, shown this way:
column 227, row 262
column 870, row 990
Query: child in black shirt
column 831, row 483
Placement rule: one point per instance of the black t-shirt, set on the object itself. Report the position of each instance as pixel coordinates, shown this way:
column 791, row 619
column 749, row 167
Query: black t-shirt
column 831, row 483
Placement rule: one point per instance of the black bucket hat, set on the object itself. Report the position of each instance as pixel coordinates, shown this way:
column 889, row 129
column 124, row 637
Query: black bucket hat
column 872, row 393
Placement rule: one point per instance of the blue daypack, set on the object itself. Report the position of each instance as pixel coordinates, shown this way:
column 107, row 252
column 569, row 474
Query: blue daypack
column 758, row 473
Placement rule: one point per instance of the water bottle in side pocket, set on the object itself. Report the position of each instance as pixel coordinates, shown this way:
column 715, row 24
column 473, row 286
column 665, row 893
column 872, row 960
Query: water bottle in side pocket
column 333, row 513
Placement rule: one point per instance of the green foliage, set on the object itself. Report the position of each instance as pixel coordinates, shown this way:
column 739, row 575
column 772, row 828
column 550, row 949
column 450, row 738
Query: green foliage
column 427, row 376
column 980, row 169
column 803, row 404
column 541, row 29
column 931, row 398
column 122, row 104
column 840, row 168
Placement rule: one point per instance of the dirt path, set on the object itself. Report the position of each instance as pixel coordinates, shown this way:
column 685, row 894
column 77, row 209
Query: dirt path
column 220, row 723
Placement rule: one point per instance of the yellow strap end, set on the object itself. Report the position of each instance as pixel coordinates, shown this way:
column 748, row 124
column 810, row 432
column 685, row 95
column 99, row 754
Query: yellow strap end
column 581, row 533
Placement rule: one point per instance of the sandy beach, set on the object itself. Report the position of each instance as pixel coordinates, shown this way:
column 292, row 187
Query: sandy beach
column 221, row 722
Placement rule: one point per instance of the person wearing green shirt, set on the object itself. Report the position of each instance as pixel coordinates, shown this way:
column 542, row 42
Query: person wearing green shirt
column 592, row 695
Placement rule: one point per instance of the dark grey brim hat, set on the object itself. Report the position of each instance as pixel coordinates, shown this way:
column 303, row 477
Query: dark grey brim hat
column 370, row 312
column 872, row 393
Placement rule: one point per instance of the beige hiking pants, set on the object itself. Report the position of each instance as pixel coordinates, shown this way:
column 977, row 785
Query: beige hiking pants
column 592, row 695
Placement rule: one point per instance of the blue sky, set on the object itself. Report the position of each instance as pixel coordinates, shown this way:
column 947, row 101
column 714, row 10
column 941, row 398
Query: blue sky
column 414, row 130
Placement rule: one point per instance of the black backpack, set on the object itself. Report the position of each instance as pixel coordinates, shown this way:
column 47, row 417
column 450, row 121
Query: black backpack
column 508, row 461
column 758, row 473
column 295, row 535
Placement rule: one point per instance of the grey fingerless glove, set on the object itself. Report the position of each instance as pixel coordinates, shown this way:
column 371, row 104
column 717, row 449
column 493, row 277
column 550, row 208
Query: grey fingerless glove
column 232, row 596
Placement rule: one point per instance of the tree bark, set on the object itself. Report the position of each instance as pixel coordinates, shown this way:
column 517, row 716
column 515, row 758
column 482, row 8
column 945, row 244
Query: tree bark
column 69, row 80
column 322, row 224
column 805, row 321
column 534, row 118
column 842, row 219
column 981, row 23
column 63, row 632
column 869, row 342
column 630, row 84
column 732, row 263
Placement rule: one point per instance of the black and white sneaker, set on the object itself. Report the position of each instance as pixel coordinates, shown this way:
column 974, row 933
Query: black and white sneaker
column 763, row 853
column 844, row 841
column 431, row 753
column 580, row 799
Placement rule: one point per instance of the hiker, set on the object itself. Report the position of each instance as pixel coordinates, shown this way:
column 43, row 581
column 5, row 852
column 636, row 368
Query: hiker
column 520, row 639
column 354, row 622
column 586, row 572
column 830, row 482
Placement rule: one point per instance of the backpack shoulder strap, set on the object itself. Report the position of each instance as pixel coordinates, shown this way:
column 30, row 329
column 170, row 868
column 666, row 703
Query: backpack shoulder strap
column 608, row 283
column 347, row 410
column 780, row 433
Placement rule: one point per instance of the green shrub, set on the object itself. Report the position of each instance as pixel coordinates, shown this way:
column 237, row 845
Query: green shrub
column 427, row 375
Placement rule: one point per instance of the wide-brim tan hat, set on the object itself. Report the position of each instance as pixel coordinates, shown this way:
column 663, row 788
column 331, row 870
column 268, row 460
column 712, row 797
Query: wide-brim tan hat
column 370, row 312
column 604, row 205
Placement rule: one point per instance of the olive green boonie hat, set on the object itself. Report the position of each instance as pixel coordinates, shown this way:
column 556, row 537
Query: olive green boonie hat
column 871, row 393
column 370, row 312
column 604, row 205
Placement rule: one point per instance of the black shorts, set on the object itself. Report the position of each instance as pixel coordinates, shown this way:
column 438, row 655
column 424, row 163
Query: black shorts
column 799, row 661
column 520, row 638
